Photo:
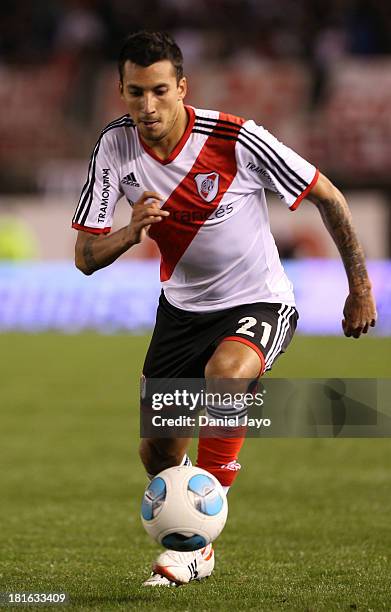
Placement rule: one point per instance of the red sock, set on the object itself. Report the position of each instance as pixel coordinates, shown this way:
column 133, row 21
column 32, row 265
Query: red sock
column 219, row 456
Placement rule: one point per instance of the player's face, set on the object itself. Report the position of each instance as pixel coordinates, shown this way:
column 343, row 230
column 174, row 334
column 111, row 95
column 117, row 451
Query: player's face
column 153, row 97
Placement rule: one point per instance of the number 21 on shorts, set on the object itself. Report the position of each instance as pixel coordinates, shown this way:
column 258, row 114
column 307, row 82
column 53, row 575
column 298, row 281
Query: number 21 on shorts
column 248, row 323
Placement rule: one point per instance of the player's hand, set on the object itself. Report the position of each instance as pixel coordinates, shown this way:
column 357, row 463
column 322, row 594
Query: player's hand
column 359, row 313
column 146, row 212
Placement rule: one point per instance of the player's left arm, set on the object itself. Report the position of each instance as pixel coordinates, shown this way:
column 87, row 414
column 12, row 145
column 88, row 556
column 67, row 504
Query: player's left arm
column 360, row 309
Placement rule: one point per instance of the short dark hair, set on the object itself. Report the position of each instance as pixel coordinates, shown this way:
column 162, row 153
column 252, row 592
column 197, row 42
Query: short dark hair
column 145, row 48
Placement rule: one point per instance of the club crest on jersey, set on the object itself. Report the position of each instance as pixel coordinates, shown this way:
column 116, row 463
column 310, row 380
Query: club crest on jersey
column 207, row 185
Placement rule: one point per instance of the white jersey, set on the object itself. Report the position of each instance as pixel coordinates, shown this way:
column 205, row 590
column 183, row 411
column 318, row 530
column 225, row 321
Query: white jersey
column 217, row 250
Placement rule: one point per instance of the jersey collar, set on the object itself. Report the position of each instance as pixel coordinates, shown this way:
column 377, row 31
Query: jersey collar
column 180, row 144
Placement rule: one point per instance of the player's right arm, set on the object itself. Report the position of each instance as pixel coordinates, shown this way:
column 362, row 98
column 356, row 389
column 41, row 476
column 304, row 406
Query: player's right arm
column 93, row 252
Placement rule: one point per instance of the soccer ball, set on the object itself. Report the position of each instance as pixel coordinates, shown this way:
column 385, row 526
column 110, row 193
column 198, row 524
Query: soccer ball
column 184, row 508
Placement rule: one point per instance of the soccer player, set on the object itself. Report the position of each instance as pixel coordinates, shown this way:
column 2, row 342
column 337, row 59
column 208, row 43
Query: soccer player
column 196, row 182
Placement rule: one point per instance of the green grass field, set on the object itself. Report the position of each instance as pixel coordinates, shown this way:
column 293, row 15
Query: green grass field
column 309, row 525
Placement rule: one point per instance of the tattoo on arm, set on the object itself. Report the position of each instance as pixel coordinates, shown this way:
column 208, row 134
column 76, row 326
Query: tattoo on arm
column 89, row 258
column 337, row 218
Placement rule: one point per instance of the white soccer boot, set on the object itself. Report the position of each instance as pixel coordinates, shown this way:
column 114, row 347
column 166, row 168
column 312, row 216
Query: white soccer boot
column 173, row 568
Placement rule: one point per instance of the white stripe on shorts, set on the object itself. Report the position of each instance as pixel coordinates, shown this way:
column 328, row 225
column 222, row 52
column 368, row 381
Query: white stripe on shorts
column 282, row 330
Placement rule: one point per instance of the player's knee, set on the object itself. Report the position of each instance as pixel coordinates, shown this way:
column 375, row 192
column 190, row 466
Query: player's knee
column 226, row 366
column 233, row 360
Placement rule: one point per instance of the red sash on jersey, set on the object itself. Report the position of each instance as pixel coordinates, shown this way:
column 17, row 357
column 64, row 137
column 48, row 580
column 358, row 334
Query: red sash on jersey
column 217, row 163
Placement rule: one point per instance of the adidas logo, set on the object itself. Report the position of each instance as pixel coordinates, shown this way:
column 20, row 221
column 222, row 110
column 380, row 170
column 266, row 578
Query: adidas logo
column 130, row 180
column 192, row 567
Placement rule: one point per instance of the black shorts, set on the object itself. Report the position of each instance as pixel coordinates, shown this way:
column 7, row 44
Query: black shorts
column 183, row 342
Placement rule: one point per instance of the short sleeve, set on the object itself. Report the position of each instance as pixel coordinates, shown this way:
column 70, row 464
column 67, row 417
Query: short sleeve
column 102, row 190
column 268, row 163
